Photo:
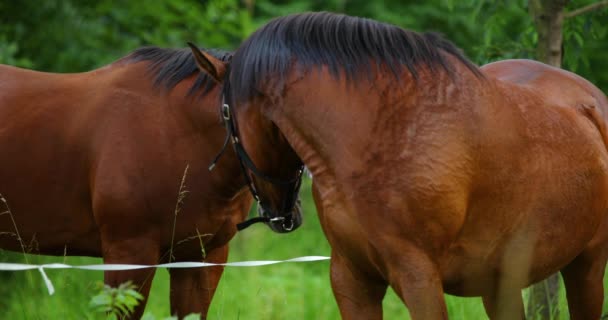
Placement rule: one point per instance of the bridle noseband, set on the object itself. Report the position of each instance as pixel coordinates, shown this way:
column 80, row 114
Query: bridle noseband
column 246, row 163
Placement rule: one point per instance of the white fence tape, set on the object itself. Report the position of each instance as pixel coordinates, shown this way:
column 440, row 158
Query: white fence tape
column 121, row 267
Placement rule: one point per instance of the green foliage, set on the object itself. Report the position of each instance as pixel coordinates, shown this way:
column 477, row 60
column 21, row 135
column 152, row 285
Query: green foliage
column 54, row 35
column 117, row 303
column 8, row 52
column 506, row 31
column 192, row 316
column 70, row 35
column 487, row 30
column 586, row 44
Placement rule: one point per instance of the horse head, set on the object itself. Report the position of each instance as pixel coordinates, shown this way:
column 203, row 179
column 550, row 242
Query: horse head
column 270, row 167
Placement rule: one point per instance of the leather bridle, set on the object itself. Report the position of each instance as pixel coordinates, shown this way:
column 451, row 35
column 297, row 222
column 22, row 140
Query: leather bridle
column 247, row 165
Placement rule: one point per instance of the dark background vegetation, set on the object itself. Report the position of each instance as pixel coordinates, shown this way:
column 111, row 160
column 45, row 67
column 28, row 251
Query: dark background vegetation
column 72, row 36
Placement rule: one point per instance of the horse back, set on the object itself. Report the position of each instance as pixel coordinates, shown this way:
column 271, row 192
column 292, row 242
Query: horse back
column 556, row 86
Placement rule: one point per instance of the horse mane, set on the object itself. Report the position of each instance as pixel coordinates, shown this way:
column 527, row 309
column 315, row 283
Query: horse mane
column 171, row 66
column 340, row 42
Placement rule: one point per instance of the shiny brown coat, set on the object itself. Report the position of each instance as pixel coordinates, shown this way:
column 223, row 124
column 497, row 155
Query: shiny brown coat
column 474, row 186
column 92, row 165
column 431, row 175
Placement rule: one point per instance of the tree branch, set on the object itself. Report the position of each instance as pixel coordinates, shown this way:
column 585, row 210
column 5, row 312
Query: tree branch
column 585, row 9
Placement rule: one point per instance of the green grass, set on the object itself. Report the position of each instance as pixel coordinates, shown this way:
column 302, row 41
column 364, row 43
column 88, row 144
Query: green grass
column 282, row 291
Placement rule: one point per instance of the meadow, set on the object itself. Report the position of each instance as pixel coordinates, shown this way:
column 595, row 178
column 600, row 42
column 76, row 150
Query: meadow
column 281, row 291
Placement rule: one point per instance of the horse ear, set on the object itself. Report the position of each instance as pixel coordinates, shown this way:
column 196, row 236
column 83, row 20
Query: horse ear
column 208, row 63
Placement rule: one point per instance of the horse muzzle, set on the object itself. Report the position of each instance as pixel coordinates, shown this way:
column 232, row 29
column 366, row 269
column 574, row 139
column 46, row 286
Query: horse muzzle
column 283, row 223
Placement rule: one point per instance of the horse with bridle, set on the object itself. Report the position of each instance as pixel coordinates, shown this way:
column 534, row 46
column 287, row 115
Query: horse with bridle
column 431, row 175
column 113, row 163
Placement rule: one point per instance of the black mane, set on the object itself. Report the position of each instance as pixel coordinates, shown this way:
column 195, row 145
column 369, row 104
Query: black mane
column 170, row 66
column 342, row 43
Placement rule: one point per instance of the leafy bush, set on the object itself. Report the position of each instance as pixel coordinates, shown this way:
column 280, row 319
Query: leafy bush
column 117, row 303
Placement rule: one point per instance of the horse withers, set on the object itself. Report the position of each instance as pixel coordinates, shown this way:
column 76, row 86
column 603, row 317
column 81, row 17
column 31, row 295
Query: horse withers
column 431, row 175
column 94, row 164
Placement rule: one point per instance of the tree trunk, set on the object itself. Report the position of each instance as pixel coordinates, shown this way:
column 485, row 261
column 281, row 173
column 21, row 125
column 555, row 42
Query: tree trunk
column 548, row 16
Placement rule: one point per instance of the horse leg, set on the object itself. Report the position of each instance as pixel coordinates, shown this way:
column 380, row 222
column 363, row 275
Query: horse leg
column 584, row 288
column 193, row 288
column 504, row 304
column 583, row 278
column 139, row 250
column 417, row 281
column 358, row 295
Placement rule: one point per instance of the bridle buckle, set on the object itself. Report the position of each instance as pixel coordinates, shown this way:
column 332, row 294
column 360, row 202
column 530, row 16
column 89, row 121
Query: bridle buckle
column 226, row 112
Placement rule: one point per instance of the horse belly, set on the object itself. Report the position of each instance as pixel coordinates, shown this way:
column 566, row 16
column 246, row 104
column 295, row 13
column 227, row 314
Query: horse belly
column 526, row 231
column 44, row 181
column 43, row 225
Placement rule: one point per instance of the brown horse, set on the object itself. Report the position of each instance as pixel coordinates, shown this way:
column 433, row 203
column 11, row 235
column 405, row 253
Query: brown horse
column 430, row 175
column 92, row 164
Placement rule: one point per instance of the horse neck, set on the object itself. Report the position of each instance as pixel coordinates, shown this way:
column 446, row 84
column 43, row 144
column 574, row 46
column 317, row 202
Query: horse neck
column 202, row 113
column 345, row 130
column 194, row 114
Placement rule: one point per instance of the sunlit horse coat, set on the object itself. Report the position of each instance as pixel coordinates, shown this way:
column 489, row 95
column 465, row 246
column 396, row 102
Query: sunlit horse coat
column 430, row 175
column 92, row 163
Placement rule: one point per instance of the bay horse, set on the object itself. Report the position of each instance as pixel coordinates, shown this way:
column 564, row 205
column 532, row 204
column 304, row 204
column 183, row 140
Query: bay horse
column 113, row 163
column 430, row 174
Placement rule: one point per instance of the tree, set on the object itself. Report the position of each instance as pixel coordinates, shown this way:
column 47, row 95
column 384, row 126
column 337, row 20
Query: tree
column 549, row 16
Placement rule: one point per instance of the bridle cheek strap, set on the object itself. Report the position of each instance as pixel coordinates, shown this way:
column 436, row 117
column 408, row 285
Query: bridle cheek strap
column 246, row 163
column 229, row 134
